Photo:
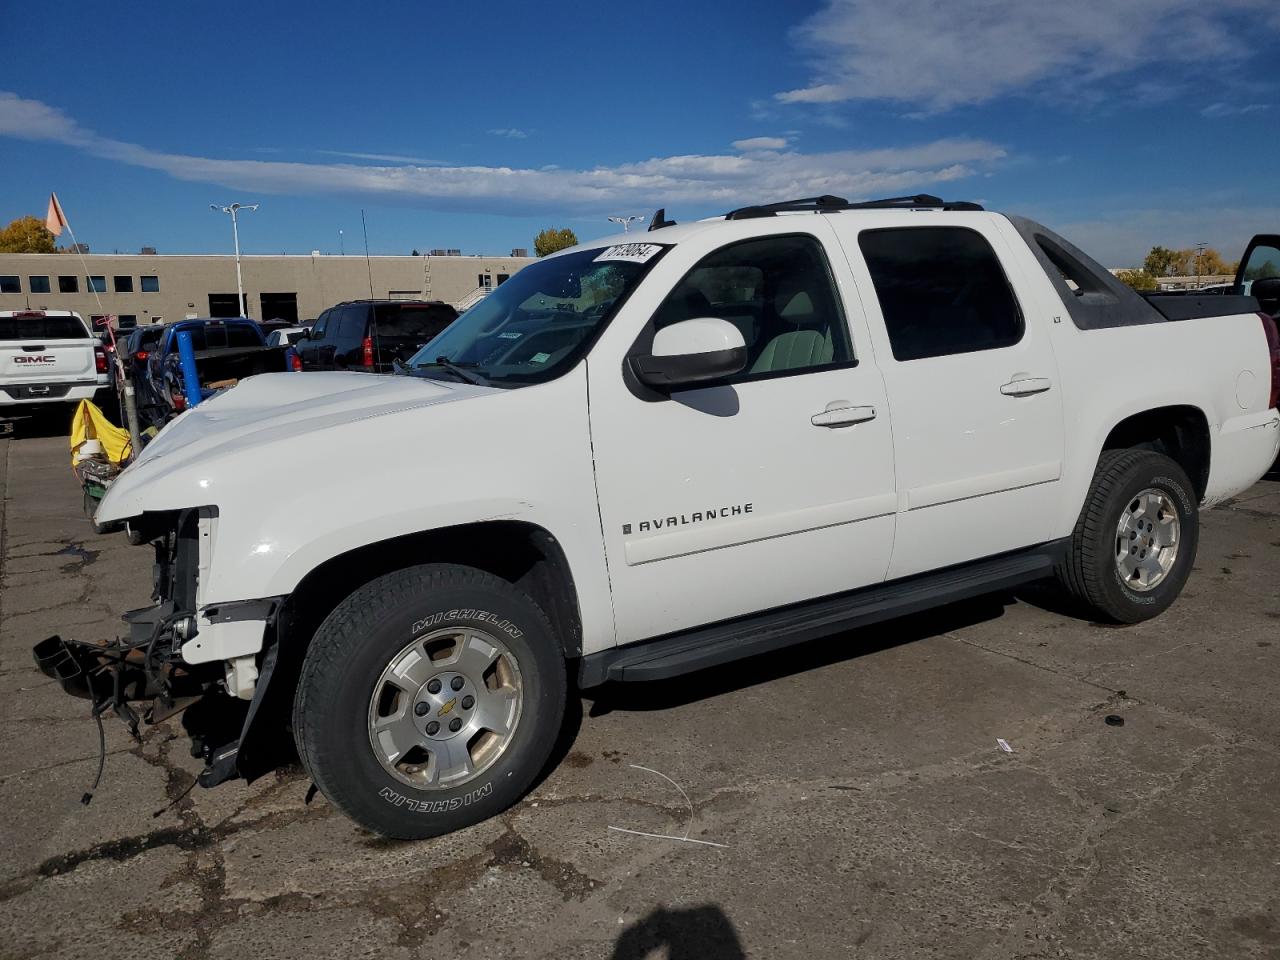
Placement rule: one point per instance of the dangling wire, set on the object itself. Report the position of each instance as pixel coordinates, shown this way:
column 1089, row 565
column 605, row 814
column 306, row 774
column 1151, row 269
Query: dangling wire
column 102, row 756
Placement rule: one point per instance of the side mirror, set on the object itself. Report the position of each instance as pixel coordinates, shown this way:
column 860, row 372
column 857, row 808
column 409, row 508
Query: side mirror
column 692, row 351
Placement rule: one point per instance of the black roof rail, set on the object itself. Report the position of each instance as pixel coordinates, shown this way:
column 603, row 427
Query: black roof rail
column 829, row 204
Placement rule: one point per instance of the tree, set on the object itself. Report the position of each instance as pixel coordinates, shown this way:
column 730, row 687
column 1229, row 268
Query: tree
column 1211, row 263
column 1138, row 279
column 26, row 235
column 552, row 239
column 1163, row 262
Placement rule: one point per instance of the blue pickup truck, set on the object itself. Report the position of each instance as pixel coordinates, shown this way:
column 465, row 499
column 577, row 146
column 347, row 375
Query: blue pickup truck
column 226, row 350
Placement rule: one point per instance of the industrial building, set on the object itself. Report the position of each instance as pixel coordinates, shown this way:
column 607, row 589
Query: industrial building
column 149, row 288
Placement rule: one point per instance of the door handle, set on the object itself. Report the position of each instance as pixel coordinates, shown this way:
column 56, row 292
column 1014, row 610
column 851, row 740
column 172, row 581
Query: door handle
column 841, row 413
column 1026, row 386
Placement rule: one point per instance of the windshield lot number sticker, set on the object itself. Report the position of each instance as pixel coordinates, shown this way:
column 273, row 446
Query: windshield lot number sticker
column 629, row 252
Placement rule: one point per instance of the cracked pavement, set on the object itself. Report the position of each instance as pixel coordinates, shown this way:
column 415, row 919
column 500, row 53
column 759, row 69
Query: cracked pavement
column 856, row 784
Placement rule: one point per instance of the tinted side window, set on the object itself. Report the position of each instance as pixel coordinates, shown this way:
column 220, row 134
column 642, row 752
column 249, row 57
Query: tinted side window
column 320, row 330
column 351, row 323
column 779, row 293
column 942, row 291
column 1264, row 263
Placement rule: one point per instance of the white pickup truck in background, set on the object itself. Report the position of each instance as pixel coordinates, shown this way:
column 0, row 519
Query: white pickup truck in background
column 48, row 357
column 650, row 455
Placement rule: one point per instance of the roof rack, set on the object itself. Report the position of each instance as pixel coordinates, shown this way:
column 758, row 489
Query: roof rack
column 830, row 204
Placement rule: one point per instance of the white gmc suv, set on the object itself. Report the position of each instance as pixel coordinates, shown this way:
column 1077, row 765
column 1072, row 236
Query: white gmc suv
column 650, row 455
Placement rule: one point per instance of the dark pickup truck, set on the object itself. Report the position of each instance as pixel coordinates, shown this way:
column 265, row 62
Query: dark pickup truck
column 226, row 350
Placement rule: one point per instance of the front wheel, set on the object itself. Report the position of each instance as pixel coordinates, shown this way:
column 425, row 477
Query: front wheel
column 429, row 700
column 1135, row 542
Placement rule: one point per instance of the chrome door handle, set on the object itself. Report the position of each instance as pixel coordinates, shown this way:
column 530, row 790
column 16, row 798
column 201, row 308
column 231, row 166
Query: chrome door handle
column 1026, row 386
column 842, row 414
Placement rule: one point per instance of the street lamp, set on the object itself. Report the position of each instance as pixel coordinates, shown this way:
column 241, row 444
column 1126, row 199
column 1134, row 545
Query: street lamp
column 233, row 210
column 626, row 222
column 342, row 246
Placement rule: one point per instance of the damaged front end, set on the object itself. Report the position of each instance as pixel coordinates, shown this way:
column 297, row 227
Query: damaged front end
column 209, row 662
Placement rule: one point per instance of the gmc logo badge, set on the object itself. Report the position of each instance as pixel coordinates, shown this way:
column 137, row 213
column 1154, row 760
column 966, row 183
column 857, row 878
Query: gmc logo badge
column 38, row 358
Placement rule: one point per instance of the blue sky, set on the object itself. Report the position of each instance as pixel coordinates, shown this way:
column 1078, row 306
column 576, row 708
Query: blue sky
column 473, row 126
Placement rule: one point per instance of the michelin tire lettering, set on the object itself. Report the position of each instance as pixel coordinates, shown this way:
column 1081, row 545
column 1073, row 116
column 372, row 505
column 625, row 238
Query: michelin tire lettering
column 484, row 616
column 435, row 806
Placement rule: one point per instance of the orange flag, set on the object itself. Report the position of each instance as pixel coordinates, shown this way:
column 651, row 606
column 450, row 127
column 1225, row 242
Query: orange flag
column 56, row 221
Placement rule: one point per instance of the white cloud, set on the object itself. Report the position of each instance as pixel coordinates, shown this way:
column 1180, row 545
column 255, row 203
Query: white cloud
column 760, row 143
column 1233, row 109
column 941, row 54
column 511, row 133
column 702, row 181
column 381, row 157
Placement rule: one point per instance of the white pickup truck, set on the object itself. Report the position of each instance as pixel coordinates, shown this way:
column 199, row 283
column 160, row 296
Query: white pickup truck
column 47, row 357
column 651, row 455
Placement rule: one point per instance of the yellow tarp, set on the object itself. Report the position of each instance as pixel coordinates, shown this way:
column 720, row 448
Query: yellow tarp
column 90, row 423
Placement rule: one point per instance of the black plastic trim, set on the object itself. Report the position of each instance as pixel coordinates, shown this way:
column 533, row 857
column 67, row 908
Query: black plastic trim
column 1181, row 306
column 695, row 369
column 712, row 645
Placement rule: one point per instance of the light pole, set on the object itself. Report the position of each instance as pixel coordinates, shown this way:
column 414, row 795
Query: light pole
column 626, row 222
column 234, row 210
column 342, row 246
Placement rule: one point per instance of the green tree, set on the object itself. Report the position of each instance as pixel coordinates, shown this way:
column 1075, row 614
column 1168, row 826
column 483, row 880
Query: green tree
column 1163, row 262
column 1138, row 279
column 552, row 239
column 26, row 235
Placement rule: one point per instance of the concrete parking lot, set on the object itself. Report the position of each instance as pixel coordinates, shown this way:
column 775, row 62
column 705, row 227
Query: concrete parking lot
column 861, row 803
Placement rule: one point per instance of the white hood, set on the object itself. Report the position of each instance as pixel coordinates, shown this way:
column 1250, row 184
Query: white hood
column 261, row 413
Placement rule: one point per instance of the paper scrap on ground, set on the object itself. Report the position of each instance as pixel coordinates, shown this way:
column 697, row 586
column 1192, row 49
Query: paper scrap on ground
column 1004, row 745
column 664, row 836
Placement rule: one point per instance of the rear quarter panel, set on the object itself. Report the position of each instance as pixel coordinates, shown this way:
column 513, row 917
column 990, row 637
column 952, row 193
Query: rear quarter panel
column 1218, row 365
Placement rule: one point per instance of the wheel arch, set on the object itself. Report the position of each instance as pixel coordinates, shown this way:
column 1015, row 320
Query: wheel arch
column 524, row 554
column 1180, row 432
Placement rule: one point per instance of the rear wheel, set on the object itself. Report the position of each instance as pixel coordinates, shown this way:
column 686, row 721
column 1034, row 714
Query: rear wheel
column 429, row 700
column 1135, row 542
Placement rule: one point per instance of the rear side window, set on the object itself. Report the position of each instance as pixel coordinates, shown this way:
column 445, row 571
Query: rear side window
column 42, row 328
column 413, row 321
column 10, row 285
column 351, row 323
column 942, row 291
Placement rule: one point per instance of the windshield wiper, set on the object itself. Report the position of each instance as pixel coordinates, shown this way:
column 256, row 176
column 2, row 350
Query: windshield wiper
column 446, row 364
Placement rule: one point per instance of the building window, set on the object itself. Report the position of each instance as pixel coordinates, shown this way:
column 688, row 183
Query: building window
column 124, row 284
column 39, row 284
column 10, row 285
column 126, row 321
column 96, row 284
column 68, row 285
column 150, row 284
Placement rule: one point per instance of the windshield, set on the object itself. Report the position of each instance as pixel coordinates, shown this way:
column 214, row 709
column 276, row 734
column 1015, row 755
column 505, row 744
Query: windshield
column 536, row 326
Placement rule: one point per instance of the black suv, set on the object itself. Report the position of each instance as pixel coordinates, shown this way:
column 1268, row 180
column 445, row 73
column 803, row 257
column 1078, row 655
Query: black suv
column 370, row 335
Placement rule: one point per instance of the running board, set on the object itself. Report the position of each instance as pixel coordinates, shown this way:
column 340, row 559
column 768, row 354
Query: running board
column 757, row 633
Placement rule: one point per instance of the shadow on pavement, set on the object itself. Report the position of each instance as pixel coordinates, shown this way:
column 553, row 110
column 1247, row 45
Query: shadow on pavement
column 678, row 691
column 697, row 933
